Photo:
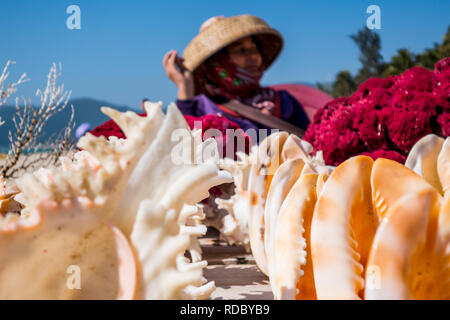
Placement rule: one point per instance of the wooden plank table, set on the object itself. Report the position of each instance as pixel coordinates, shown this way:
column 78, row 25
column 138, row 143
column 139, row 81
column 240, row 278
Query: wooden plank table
column 233, row 270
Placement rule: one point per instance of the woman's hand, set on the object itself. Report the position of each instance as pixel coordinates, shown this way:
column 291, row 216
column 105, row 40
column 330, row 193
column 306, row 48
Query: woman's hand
column 179, row 75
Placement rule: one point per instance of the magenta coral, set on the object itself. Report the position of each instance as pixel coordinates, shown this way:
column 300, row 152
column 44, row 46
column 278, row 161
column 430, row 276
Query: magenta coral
column 385, row 117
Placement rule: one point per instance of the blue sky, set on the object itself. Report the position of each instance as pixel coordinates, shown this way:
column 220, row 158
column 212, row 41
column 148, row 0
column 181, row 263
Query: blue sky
column 117, row 54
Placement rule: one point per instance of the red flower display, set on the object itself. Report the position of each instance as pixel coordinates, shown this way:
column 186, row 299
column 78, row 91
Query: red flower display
column 210, row 121
column 230, row 132
column 384, row 117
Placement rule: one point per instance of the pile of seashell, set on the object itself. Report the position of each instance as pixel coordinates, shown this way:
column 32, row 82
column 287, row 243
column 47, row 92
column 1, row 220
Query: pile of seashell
column 122, row 219
column 363, row 230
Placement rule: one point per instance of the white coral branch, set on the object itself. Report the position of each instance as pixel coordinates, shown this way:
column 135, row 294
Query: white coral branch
column 29, row 122
column 6, row 90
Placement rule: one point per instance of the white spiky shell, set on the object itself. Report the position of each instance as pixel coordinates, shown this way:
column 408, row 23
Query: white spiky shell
column 122, row 211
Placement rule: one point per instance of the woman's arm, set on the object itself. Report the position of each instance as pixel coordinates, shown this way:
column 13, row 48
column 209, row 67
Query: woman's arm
column 179, row 75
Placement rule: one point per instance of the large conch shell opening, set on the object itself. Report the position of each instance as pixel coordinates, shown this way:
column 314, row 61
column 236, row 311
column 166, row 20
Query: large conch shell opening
column 115, row 222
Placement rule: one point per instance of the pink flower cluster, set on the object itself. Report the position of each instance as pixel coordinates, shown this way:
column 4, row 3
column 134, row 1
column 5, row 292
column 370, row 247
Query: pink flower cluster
column 384, row 117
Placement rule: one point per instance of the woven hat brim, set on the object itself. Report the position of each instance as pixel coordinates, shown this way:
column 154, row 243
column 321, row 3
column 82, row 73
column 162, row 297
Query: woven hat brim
column 226, row 31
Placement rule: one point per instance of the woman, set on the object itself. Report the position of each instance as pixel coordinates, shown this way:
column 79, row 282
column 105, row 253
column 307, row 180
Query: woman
column 224, row 63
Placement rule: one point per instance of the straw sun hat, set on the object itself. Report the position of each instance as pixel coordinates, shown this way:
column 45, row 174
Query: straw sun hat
column 218, row 32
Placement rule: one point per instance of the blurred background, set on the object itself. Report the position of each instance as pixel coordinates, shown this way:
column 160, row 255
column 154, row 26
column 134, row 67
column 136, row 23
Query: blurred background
column 116, row 57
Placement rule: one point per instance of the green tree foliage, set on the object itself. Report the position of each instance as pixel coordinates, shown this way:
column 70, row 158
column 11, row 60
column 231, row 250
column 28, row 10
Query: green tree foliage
column 372, row 64
column 402, row 61
column 429, row 57
column 369, row 45
column 344, row 84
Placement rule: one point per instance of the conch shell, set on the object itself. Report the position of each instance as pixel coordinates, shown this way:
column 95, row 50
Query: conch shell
column 390, row 181
column 279, row 159
column 284, row 178
column 342, row 230
column 422, row 159
column 443, row 167
column 115, row 222
column 410, row 257
column 265, row 160
column 292, row 267
column 365, row 230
